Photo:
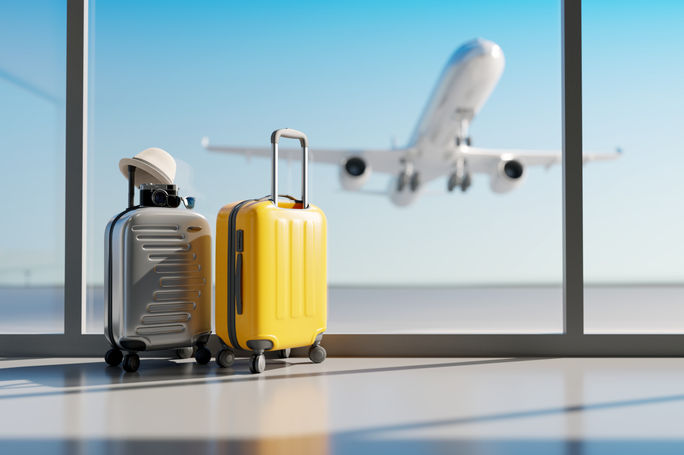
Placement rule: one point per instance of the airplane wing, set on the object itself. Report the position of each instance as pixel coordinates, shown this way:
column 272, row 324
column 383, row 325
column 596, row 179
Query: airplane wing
column 484, row 160
column 379, row 160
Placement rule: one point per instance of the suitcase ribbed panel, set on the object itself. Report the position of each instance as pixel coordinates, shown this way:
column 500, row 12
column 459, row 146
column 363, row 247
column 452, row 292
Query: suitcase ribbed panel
column 282, row 270
column 166, row 246
column 160, row 329
column 295, row 268
column 180, row 279
column 310, row 269
column 160, row 236
column 172, row 258
column 151, row 227
column 171, row 307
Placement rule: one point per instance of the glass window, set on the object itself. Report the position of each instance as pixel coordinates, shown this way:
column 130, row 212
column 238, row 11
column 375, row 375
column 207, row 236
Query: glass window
column 353, row 76
column 634, row 256
column 32, row 106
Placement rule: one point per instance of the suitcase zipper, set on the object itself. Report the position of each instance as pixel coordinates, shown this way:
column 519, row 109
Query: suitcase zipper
column 110, row 330
column 232, row 229
column 231, row 273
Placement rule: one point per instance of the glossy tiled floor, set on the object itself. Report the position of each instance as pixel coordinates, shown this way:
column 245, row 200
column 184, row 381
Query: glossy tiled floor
column 356, row 406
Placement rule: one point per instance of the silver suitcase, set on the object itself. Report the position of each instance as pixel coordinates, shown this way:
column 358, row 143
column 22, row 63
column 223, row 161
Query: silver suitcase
column 157, row 282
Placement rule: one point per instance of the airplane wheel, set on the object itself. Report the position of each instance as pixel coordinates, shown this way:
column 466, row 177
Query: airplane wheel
column 402, row 181
column 415, row 181
column 465, row 184
column 452, row 182
column 468, row 141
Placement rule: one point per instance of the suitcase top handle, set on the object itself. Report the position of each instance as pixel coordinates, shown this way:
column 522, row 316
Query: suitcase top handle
column 291, row 134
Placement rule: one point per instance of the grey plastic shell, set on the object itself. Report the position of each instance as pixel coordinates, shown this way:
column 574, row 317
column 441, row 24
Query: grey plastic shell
column 159, row 293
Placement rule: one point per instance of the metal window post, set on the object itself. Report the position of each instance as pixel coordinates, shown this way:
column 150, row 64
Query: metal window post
column 75, row 179
column 573, row 267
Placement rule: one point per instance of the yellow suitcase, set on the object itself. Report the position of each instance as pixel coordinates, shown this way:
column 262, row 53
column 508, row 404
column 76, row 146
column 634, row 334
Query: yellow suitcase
column 271, row 272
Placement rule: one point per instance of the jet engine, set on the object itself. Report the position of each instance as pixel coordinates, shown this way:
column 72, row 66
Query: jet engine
column 354, row 173
column 508, row 175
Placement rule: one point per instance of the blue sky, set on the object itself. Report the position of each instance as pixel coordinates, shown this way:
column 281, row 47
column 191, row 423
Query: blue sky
column 167, row 73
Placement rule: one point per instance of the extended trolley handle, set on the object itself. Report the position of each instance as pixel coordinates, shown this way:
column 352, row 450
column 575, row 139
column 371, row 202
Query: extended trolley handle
column 292, row 134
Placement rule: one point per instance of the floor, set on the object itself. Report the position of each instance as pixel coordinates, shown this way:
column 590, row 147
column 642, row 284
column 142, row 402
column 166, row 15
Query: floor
column 345, row 405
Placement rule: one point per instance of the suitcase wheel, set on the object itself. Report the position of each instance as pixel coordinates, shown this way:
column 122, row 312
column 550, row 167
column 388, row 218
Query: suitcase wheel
column 131, row 362
column 203, row 355
column 317, row 354
column 284, row 353
column 225, row 358
column 257, row 363
column 113, row 357
column 184, row 353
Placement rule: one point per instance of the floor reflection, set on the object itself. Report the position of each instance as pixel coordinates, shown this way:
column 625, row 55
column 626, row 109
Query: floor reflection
column 342, row 444
column 344, row 406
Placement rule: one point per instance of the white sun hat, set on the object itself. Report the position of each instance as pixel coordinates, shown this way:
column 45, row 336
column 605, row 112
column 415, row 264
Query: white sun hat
column 153, row 165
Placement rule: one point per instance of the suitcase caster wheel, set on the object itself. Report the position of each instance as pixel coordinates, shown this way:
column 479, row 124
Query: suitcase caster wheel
column 184, row 353
column 113, row 357
column 225, row 358
column 284, row 353
column 131, row 362
column 317, row 354
column 257, row 363
column 202, row 356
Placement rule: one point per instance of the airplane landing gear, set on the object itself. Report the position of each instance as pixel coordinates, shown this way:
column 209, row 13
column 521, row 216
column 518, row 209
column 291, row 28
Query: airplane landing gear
column 408, row 178
column 403, row 181
column 415, row 181
column 461, row 141
column 465, row 184
column 455, row 180
column 460, row 177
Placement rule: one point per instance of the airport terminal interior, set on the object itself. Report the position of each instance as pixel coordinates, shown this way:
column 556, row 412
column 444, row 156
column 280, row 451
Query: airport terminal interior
column 346, row 227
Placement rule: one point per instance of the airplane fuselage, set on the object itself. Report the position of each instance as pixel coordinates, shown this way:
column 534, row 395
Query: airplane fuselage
column 467, row 81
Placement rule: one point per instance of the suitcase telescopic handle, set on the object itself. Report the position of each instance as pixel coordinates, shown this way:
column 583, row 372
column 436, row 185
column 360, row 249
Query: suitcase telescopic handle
column 291, row 134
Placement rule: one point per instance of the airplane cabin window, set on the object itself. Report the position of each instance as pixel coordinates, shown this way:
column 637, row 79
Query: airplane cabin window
column 32, row 115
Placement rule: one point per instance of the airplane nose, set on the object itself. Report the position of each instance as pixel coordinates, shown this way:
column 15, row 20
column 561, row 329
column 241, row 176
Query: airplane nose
column 475, row 49
column 482, row 47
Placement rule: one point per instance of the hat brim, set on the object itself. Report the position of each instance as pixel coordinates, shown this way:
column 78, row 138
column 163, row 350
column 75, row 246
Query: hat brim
column 145, row 172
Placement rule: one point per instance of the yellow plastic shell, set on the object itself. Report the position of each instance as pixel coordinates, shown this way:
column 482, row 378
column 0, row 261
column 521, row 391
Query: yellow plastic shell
column 284, row 274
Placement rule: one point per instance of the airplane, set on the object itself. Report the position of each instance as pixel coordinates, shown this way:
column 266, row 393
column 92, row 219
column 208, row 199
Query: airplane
column 440, row 145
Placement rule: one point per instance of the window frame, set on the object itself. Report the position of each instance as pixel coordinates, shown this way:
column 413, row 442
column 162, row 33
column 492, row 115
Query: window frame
column 571, row 342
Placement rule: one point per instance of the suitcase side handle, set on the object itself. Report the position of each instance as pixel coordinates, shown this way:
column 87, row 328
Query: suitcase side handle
column 303, row 140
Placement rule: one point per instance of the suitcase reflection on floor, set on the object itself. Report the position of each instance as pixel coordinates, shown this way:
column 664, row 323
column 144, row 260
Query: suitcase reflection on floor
column 276, row 413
